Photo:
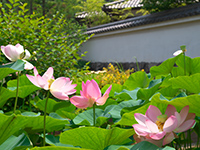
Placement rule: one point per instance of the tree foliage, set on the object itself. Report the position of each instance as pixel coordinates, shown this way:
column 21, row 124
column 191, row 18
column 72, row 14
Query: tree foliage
column 52, row 41
column 50, row 7
column 94, row 14
column 161, row 5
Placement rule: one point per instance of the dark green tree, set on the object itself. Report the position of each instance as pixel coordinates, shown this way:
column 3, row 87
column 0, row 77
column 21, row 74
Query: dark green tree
column 51, row 41
column 94, row 14
column 160, row 5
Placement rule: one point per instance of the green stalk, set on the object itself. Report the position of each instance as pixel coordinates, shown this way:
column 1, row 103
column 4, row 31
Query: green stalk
column 138, row 68
column 184, row 64
column 45, row 113
column 189, row 138
column 30, row 106
column 17, row 92
column 94, row 115
column 1, row 84
column 184, row 140
column 179, row 142
column 172, row 144
column 23, row 104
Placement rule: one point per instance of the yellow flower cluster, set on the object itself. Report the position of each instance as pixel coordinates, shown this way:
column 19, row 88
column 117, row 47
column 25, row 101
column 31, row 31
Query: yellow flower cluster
column 112, row 74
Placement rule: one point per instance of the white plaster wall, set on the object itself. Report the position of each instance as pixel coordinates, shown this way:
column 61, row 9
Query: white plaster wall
column 148, row 43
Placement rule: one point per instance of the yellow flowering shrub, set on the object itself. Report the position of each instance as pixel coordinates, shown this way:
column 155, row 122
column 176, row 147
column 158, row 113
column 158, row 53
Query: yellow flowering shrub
column 112, row 74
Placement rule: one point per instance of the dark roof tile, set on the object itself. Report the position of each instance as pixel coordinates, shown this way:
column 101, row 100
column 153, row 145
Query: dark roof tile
column 122, row 4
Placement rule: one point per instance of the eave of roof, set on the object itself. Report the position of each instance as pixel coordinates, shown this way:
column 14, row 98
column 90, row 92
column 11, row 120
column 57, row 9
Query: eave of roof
column 186, row 11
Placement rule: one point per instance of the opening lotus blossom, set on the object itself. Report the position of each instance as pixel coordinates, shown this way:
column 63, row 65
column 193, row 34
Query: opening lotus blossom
column 155, row 126
column 13, row 53
column 59, row 88
column 178, row 52
column 90, row 95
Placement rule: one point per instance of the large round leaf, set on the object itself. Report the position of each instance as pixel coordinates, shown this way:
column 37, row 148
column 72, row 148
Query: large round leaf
column 127, row 95
column 15, row 141
column 54, row 141
column 86, row 118
column 190, row 83
column 164, row 68
column 115, row 110
column 137, row 79
column 11, row 124
column 11, row 68
column 36, row 124
column 5, row 94
column 57, row 148
column 25, row 86
column 52, row 105
column 144, row 145
column 95, row 138
column 145, row 94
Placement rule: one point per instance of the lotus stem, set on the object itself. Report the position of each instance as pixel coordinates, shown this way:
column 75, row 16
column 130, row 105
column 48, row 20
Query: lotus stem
column 17, row 92
column 184, row 140
column 189, row 138
column 45, row 113
column 23, row 104
column 172, row 144
column 138, row 68
column 94, row 115
column 198, row 136
column 1, row 84
column 179, row 142
column 30, row 104
column 184, row 64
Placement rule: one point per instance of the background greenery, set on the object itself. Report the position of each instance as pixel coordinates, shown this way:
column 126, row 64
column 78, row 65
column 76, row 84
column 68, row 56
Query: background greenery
column 52, row 41
column 161, row 5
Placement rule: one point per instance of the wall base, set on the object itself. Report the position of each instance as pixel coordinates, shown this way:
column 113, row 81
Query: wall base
column 128, row 65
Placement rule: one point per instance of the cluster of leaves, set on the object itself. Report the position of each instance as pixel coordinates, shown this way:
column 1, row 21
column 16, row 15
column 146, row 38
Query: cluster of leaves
column 112, row 74
column 160, row 5
column 169, row 83
column 93, row 12
column 50, row 7
column 121, row 14
column 52, row 41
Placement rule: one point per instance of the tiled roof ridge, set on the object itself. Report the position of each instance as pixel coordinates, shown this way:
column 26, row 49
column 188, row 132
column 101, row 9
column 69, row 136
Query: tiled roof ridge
column 121, row 4
column 113, row 3
column 185, row 11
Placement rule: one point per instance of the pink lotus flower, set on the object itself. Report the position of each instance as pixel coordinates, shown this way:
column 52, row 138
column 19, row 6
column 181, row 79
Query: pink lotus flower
column 13, row 53
column 59, row 88
column 158, row 128
column 90, row 95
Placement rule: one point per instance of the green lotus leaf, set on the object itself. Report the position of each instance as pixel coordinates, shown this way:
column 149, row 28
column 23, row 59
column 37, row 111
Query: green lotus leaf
column 25, row 86
column 95, row 138
column 164, row 68
column 11, row 68
column 138, row 79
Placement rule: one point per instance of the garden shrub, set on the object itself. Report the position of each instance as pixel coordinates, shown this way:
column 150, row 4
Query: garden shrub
column 112, row 74
column 51, row 41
